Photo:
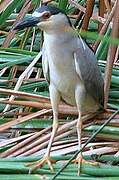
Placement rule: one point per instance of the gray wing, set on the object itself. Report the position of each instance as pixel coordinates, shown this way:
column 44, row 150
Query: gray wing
column 88, row 70
column 45, row 64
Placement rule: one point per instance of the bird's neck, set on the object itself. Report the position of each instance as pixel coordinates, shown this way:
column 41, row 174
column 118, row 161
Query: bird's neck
column 59, row 29
column 59, row 36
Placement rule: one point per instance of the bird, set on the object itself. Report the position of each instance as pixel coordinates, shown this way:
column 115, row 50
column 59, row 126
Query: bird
column 70, row 67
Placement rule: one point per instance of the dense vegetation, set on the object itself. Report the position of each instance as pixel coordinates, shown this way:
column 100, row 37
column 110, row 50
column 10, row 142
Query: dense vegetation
column 25, row 109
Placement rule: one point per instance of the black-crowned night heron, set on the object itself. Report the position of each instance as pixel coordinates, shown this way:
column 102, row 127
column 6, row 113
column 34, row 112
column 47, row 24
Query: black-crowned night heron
column 69, row 66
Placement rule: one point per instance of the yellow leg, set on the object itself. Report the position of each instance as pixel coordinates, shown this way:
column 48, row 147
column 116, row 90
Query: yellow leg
column 79, row 159
column 79, row 128
column 80, row 98
column 55, row 98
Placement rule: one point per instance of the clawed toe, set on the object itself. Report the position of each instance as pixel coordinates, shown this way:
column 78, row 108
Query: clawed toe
column 79, row 160
column 40, row 163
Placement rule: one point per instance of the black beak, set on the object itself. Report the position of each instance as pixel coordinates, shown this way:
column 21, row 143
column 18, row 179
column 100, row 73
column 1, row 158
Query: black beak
column 30, row 22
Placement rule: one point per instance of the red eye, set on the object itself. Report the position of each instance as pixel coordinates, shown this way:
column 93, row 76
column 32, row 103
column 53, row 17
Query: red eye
column 46, row 15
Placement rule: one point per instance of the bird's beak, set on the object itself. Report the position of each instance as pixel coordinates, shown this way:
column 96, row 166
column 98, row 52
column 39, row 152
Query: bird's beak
column 30, row 22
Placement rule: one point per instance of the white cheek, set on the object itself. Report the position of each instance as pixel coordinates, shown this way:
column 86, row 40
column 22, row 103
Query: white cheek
column 43, row 25
column 40, row 25
column 36, row 14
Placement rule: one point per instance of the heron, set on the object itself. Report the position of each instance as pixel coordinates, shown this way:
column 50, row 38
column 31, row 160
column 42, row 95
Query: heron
column 70, row 67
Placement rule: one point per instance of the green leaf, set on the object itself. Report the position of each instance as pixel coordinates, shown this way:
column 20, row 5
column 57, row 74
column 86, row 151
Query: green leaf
column 9, row 10
column 63, row 4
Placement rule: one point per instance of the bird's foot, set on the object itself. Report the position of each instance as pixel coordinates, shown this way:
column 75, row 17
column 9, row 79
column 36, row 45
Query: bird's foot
column 79, row 160
column 37, row 164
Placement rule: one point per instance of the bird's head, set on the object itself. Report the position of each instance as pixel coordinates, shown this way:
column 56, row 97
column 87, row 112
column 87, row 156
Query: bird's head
column 46, row 18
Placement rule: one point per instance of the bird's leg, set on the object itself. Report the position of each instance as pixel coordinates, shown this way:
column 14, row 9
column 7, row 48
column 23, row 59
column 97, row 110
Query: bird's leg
column 80, row 98
column 79, row 159
column 79, row 128
column 55, row 98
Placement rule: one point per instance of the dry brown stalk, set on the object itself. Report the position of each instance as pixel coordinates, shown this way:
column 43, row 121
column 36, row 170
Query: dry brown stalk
column 101, row 13
column 24, row 80
column 40, row 144
column 111, row 53
column 100, row 151
column 45, row 104
column 78, row 6
column 4, row 4
column 13, row 72
column 3, row 32
column 108, row 5
column 2, row 72
column 25, row 95
column 82, row 9
column 63, row 109
column 117, row 55
column 88, row 14
column 63, row 131
column 16, row 139
column 24, row 143
column 46, row 1
column 22, row 13
column 44, row 140
column 104, row 62
column 105, row 26
column 33, row 39
column 20, row 80
column 23, row 119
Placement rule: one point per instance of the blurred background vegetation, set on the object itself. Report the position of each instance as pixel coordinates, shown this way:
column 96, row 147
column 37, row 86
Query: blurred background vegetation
column 25, row 109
